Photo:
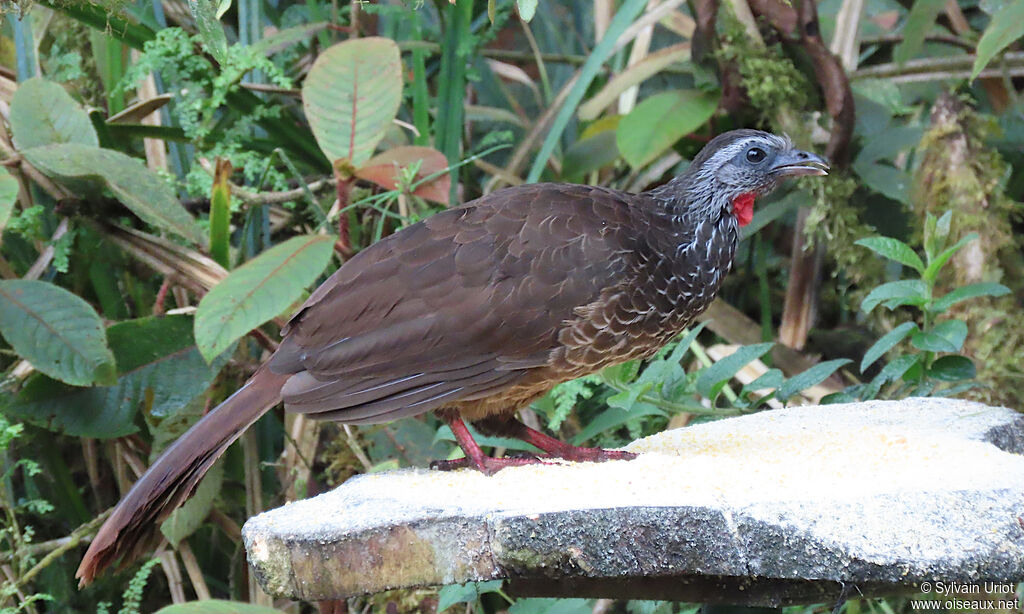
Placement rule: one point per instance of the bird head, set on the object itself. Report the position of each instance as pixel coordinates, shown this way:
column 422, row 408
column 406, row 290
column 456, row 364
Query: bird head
column 736, row 167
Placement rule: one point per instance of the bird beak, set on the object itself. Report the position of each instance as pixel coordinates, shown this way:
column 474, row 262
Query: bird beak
column 796, row 163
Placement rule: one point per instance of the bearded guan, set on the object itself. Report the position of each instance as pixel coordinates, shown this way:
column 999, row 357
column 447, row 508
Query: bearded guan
column 481, row 309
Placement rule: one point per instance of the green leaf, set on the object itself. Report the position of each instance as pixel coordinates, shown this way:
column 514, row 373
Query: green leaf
column 412, row 441
column 940, row 261
column 160, row 369
column 772, row 378
column 893, row 249
column 258, row 291
column 628, row 398
column 220, row 216
column 661, row 120
column 887, row 180
column 351, row 95
column 915, row 372
column 968, row 292
column 71, row 410
column 661, row 369
column 844, row 396
column 953, row 369
column 464, row 593
column 8, row 196
column 907, row 292
column 898, row 367
column 919, row 22
column 712, row 378
column 160, row 363
column 887, row 94
column 190, row 516
column 527, row 8
column 931, row 241
column 60, row 334
column 589, row 154
column 811, row 377
column 210, row 29
column 559, row 402
column 892, row 371
column 282, row 39
column 1006, row 26
column 946, row 336
column 551, row 606
column 613, row 418
column 897, row 139
column 886, row 343
column 960, row 388
column 217, row 606
column 685, row 341
column 942, row 225
column 935, row 232
column 923, row 387
column 442, row 435
column 991, row 7
column 43, row 113
column 104, row 20
column 137, row 187
column 621, row 374
column 126, row 132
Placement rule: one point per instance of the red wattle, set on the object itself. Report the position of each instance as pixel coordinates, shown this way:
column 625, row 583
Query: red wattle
column 743, row 207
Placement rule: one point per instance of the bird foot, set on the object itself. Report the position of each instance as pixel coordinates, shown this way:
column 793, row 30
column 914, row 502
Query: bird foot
column 488, row 465
column 554, row 449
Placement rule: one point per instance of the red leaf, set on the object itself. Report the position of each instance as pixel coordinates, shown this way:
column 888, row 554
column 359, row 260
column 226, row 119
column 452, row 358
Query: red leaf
column 383, row 170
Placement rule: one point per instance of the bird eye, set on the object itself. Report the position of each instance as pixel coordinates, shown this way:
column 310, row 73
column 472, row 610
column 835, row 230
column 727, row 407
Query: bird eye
column 755, row 155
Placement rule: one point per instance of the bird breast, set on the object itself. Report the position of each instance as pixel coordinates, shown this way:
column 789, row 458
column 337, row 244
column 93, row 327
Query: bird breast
column 669, row 284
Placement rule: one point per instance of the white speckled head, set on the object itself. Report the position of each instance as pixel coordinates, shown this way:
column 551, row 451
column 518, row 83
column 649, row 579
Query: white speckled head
column 740, row 164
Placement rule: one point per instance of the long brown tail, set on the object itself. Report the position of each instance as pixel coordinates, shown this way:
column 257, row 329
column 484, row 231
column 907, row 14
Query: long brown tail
column 170, row 480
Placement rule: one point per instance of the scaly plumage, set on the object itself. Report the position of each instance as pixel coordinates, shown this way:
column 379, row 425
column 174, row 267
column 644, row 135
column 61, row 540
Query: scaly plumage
column 480, row 309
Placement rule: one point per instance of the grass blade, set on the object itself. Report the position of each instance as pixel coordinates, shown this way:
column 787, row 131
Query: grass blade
column 453, row 79
column 622, row 20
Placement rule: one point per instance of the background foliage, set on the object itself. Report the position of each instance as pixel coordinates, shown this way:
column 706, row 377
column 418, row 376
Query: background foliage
column 176, row 176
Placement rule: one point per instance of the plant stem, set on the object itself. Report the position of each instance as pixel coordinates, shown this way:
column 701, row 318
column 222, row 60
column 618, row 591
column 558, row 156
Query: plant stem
column 273, row 198
column 940, row 68
column 62, row 545
column 450, row 97
column 420, row 95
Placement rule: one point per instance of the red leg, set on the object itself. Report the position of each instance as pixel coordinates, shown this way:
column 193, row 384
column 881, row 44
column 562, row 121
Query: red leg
column 475, row 457
column 554, row 447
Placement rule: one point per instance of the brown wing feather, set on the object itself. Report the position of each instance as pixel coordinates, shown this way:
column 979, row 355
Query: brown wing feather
column 466, row 301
